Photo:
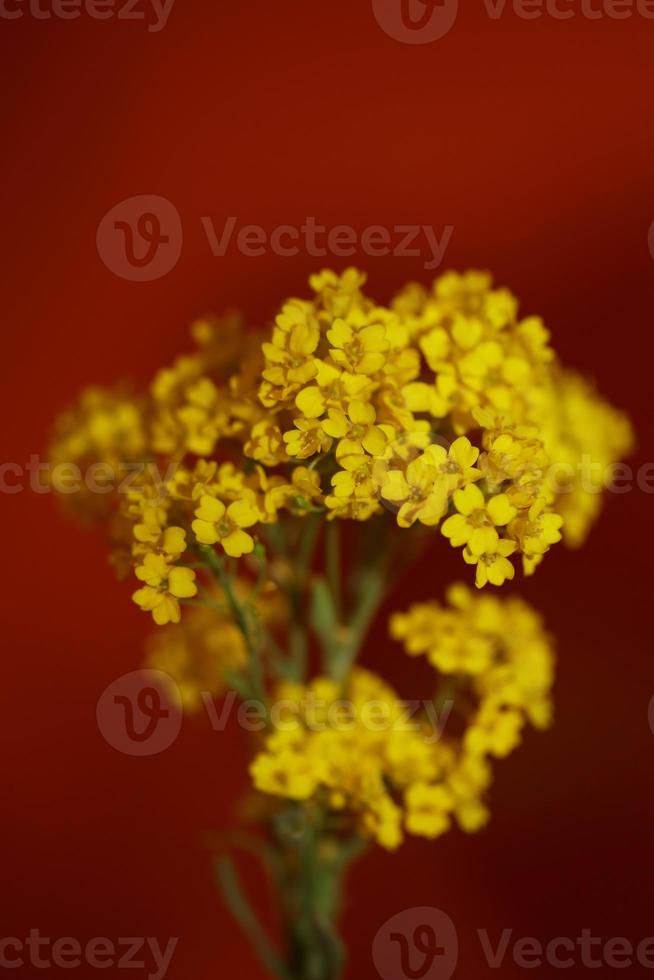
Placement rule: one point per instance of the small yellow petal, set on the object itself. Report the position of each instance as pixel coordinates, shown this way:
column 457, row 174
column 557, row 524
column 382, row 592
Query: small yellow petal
column 181, row 582
column 238, row 543
column 361, row 413
column 310, row 402
column 500, row 510
column 204, row 532
column 468, row 499
column 174, row 541
column 210, row 509
column 243, row 513
column 374, row 441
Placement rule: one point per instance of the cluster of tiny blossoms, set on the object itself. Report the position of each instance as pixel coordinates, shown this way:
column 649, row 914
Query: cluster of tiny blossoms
column 353, row 746
column 444, row 409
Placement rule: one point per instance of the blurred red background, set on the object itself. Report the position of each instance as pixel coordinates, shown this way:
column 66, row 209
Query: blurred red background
column 533, row 139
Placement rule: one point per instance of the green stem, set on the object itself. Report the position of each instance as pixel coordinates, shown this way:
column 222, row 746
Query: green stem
column 311, row 884
column 217, row 567
column 203, row 604
column 301, row 566
column 247, row 919
column 371, row 591
column 333, row 563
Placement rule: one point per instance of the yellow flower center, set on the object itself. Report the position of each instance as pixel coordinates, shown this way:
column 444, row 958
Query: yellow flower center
column 478, row 518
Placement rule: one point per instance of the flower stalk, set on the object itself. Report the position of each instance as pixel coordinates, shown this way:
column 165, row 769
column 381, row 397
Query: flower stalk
column 305, row 467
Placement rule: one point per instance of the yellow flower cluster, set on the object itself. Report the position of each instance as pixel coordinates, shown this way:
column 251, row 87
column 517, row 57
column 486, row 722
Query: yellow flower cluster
column 165, row 581
column 217, row 505
column 500, row 645
column 354, row 748
column 103, row 435
column 444, row 409
column 446, row 402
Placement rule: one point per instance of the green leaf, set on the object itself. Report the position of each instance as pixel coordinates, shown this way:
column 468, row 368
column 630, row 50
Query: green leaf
column 323, row 616
column 247, row 918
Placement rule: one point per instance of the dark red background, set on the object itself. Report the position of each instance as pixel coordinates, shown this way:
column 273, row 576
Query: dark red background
column 532, row 138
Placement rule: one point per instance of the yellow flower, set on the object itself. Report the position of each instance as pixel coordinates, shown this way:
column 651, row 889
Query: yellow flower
column 338, row 294
column 333, row 387
column 189, row 485
column 456, row 464
column 307, row 439
column 202, row 417
column 511, row 673
column 496, row 730
column 333, row 747
column 352, row 508
column 403, row 363
column 514, row 453
column 354, row 489
column 287, row 773
column 476, row 514
column 103, row 426
column 231, row 484
column 355, row 429
column 306, row 484
column 355, row 479
column 467, row 782
column 300, row 495
column 432, row 399
column 358, row 346
column 217, row 523
column 289, row 356
column 151, row 536
column 420, row 491
column 453, row 641
column 383, row 820
column 164, row 585
column 535, row 336
column 266, row 443
column 537, row 529
column 173, row 542
column 427, row 809
column 492, row 559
